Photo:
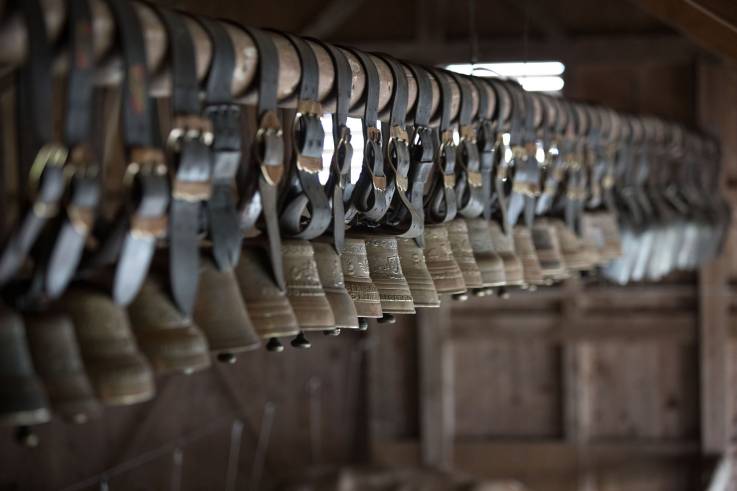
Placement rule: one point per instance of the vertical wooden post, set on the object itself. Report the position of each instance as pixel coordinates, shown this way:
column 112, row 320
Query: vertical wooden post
column 437, row 430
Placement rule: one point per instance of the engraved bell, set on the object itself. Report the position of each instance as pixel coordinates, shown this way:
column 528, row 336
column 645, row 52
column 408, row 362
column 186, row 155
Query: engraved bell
column 385, row 269
column 120, row 374
column 57, row 359
column 361, row 288
column 304, row 290
column 547, row 246
column 511, row 261
column 418, row 276
column 460, row 244
column 574, row 255
column 525, row 248
column 170, row 340
column 490, row 263
column 441, row 263
column 270, row 312
column 22, row 397
column 221, row 313
column 333, row 283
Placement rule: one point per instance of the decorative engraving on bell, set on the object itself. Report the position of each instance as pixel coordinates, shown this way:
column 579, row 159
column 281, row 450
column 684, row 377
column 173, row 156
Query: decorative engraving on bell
column 525, row 248
column 547, row 246
column 361, row 288
column 385, row 269
column 221, row 313
column 333, row 283
column 170, row 340
column 460, row 244
column 270, row 312
column 120, row 374
column 304, row 290
column 574, row 255
column 57, row 360
column 22, row 397
column 489, row 262
column 418, row 277
column 511, row 261
column 440, row 261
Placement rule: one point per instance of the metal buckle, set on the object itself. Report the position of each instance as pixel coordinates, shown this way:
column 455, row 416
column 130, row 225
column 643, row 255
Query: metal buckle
column 343, row 156
column 147, row 164
column 309, row 136
column 192, row 127
column 270, row 148
column 46, row 172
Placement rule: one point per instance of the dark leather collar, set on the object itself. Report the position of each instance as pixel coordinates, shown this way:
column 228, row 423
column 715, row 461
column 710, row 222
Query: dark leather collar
column 487, row 143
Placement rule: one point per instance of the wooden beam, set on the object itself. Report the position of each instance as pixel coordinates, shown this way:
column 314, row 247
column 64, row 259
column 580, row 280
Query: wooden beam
column 329, row 17
column 700, row 20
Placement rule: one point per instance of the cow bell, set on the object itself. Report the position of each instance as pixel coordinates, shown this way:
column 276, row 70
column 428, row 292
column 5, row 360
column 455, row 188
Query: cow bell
column 304, row 290
column 444, row 270
column 412, row 259
column 385, row 269
column 531, row 270
column 460, row 244
column 574, row 254
column 504, row 246
column 490, row 263
column 547, row 246
column 358, row 283
column 333, row 283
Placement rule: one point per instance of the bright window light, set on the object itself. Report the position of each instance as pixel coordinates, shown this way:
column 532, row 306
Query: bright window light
column 534, row 76
column 354, row 124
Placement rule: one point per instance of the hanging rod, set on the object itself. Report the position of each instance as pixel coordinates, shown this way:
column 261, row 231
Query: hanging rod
column 13, row 40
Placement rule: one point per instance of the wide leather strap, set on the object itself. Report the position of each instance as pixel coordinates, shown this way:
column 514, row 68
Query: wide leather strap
column 468, row 173
column 524, row 184
column 268, row 155
column 142, row 219
column 40, row 162
column 306, row 210
column 441, row 203
column 504, row 165
column 486, row 143
column 397, row 160
column 554, row 168
column 225, row 116
column 340, row 165
column 369, row 193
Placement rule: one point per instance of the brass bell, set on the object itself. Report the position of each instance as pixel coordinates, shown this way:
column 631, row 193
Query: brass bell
column 504, row 247
column 363, row 291
column 304, row 291
column 22, row 398
column 58, row 361
column 331, row 276
column 525, row 248
column 440, row 261
column 547, row 246
column 170, row 340
column 221, row 313
column 385, row 269
column 120, row 374
column 574, row 255
column 270, row 312
column 490, row 263
column 460, row 244
column 418, row 277
column 610, row 247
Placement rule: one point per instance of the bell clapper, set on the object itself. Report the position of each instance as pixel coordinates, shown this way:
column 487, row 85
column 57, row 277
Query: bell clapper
column 274, row 345
column 362, row 324
column 460, row 297
column 301, row 341
column 502, row 293
column 387, row 319
column 479, row 292
column 226, row 358
column 26, row 437
column 332, row 332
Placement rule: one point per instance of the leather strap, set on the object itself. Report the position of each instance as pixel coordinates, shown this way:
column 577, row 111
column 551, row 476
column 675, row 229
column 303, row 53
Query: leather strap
column 306, row 213
column 369, row 193
column 468, row 176
column 40, row 162
column 502, row 175
column 441, row 203
column 340, row 165
column 526, row 181
column 268, row 154
column 486, row 140
column 61, row 251
column 224, row 115
column 397, row 160
column 143, row 217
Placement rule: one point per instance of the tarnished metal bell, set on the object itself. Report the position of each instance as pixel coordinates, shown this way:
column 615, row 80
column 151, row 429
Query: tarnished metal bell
column 574, row 255
column 304, row 289
column 440, row 261
column 270, row 312
column 418, row 277
column 120, row 374
column 221, row 313
column 547, row 246
column 170, row 340
column 57, row 360
column 361, row 288
column 602, row 229
column 460, row 244
column 22, row 398
column 504, row 247
column 525, row 248
column 331, row 277
column 385, row 269
column 490, row 263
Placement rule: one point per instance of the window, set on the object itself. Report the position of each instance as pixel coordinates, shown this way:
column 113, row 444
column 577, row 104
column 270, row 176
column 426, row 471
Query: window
column 534, row 76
